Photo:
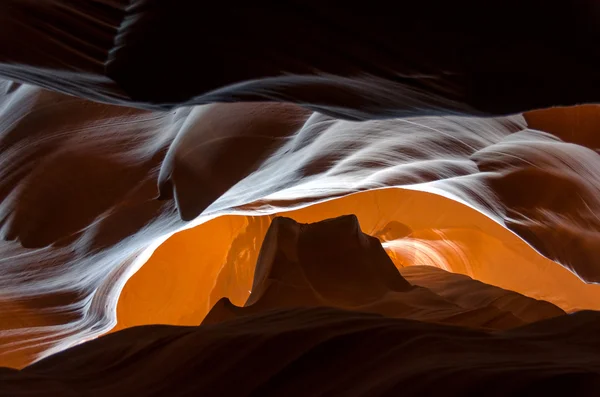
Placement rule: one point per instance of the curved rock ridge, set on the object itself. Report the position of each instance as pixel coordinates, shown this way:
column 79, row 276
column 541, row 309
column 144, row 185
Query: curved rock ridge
column 172, row 288
column 538, row 185
column 468, row 293
column 80, row 215
column 332, row 263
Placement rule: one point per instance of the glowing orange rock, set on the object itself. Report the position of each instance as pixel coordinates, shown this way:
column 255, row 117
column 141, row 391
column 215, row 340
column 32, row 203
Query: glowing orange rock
column 443, row 233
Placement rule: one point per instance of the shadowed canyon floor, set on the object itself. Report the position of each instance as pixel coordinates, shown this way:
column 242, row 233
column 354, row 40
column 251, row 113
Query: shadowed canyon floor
column 329, row 314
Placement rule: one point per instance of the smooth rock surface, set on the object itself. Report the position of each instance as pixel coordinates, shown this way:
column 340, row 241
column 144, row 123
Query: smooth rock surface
column 305, row 330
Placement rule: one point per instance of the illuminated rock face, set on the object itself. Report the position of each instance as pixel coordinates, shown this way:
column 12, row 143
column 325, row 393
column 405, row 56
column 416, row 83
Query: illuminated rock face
column 332, row 263
column 330, row 312
column 80, row 213
column 443, row 233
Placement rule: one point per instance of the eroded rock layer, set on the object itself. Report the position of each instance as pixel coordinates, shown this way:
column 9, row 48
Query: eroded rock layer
column 416, row 229
column 332, row 263
column 330, row 314
column 89, row 191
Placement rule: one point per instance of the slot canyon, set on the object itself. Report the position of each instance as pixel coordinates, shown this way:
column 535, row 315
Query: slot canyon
column 299, row 198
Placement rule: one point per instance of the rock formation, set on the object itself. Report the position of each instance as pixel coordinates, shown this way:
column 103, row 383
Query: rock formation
column 150, row 148
column 330, row 314
column 334, row 264
column 81, row 215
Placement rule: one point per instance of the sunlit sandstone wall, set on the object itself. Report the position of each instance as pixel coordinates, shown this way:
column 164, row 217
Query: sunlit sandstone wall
column 195, row 268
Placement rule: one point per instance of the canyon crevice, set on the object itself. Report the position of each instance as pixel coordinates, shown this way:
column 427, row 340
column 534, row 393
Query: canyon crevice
column 309, row 198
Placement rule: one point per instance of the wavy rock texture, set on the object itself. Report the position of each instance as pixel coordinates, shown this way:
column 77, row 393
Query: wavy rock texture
column 330, row 315
column 80, row 214
column 88, row 191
